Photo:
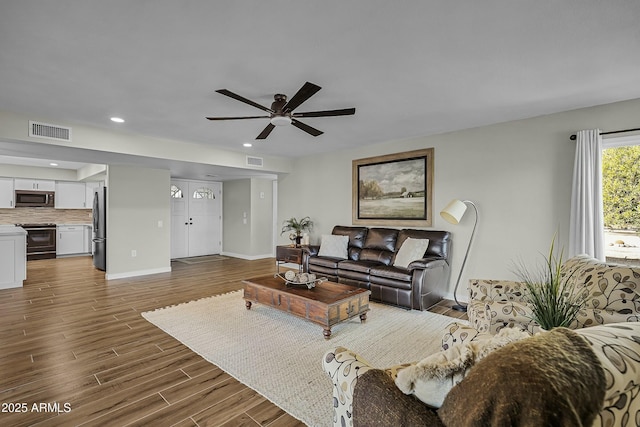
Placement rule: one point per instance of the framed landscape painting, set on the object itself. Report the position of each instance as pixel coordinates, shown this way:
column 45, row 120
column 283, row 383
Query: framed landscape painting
column 393, row 190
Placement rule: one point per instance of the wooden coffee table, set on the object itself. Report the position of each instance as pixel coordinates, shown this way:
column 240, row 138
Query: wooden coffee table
column 327, row 304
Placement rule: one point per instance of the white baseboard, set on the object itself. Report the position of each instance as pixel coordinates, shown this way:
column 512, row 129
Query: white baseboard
column 10, row 285
column 108, row 276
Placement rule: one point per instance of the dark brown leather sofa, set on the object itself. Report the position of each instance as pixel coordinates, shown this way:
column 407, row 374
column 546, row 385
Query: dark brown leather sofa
column 371, row 253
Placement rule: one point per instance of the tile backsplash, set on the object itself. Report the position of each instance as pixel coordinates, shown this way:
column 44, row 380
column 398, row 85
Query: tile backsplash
column 45, row 215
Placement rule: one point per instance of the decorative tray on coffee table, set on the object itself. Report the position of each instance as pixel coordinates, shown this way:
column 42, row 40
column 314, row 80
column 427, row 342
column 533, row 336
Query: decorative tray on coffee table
column 300, row 279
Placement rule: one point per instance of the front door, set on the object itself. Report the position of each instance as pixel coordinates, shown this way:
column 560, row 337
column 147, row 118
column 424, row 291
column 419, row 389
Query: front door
column 196, row 218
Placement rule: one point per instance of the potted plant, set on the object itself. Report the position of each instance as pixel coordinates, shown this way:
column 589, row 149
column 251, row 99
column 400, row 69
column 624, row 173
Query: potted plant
column 554, row 299
column 299, row 226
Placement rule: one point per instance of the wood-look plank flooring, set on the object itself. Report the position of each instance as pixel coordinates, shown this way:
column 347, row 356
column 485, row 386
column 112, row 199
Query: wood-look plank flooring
column 69, row 338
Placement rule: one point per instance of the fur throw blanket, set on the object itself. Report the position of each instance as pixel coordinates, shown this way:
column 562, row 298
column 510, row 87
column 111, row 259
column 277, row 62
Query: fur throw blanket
column 550, row 379
column 453, row 362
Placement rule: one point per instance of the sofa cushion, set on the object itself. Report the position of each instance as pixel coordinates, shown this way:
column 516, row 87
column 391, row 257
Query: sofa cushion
column 356, row 234
column 382, row 239
column 322, row 266
column 334, row 246
column 614, row 290
column 360, row 266
column 380, row 256
column 394, row 273
column 411, row 250
column 325, row 262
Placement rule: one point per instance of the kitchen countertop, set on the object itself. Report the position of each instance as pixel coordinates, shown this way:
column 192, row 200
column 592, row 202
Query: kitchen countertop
column 11, row 230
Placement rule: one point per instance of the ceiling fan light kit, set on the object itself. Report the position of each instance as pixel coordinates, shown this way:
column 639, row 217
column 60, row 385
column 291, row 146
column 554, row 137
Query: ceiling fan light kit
column 280, row 120
column 281, row 111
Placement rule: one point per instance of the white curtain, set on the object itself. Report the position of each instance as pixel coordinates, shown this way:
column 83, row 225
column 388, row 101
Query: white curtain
column 586, row 228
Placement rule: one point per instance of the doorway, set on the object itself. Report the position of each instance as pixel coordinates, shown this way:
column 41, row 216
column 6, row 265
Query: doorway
column 196, row 218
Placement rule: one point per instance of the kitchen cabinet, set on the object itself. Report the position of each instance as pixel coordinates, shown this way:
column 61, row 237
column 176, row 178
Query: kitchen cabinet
column 71, row 240
column 34, row 184
column 6, row 193
column 71, row 195
column 88, row 239
column 13, row 256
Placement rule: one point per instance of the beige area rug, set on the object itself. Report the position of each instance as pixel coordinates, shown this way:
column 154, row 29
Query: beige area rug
column 280, row 355
column 200, row 259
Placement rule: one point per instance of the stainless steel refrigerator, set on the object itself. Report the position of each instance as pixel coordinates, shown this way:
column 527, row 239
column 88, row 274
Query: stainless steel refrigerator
column 100, row 229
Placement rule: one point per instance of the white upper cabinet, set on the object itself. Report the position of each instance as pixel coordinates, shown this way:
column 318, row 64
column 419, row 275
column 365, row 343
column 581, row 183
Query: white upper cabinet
column 6, row 193
column 71, row 195
column 34, row 184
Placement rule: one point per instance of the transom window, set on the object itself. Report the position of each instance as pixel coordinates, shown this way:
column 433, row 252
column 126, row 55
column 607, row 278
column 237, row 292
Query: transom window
column 204, row 193
column 176, row 193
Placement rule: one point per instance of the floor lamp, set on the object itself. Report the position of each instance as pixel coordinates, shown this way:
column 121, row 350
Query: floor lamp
column 453, row 213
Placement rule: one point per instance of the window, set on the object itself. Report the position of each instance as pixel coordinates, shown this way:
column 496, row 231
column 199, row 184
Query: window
column 204, row 193
column 176, row 193
column 621, row 199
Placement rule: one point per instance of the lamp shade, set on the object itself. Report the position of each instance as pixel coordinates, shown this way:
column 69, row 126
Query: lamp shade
column 454, row 211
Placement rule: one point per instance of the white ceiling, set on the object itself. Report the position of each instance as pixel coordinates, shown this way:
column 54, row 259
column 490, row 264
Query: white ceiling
column 410, row 68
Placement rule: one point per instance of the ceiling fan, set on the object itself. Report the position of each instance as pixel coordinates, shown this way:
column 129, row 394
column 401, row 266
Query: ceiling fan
column 281, row 111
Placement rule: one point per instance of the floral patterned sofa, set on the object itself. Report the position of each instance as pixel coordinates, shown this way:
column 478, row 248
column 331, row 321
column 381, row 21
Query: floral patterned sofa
column 364, row 395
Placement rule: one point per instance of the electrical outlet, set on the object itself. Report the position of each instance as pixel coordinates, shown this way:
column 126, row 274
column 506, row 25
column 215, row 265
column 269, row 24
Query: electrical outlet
column 134, row 253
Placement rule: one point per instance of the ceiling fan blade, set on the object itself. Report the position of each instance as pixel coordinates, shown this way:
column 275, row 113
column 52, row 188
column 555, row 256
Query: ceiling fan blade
column 306, row 91
column 265, row 132
column 243, row 99
column 237, row 118
column 326, row 113
column 308, row 129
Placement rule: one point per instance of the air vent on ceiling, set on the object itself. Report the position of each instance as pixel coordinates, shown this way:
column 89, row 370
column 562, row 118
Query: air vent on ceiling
column 49, row 131
column 254, row 161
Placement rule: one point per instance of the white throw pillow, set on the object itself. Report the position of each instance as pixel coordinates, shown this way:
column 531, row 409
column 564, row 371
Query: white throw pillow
column 411, row 250
column 334, row 246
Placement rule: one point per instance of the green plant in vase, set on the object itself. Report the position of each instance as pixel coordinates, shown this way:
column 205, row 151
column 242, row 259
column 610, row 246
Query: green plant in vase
column 554, row 299
column 299, row 226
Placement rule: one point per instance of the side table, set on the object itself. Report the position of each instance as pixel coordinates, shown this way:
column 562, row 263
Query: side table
column 289, row 254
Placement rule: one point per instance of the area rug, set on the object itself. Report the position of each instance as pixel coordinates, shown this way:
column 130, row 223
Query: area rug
column 280, row 355
column 200, row 259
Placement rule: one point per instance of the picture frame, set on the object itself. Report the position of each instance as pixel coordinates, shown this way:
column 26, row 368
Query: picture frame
column 394, row 189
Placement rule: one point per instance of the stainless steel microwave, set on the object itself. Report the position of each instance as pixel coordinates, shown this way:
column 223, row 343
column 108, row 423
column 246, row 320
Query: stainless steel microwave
column 35, row 199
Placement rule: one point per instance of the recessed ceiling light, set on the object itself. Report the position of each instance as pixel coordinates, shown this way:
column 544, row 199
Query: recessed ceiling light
column 53, row 164
column 247, row 144
column 117, row 120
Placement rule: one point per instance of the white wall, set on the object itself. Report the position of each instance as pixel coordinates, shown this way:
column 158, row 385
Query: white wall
column 34, row 172
column 237, row 228
column 262, row 217
column 248, row 218
column 518, row 173
column 138, row 219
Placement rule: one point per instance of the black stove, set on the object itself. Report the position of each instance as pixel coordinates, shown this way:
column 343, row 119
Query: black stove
column 41, row 240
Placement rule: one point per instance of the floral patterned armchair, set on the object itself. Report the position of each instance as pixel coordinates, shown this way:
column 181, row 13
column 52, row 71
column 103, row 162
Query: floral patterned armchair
column 614, row 296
